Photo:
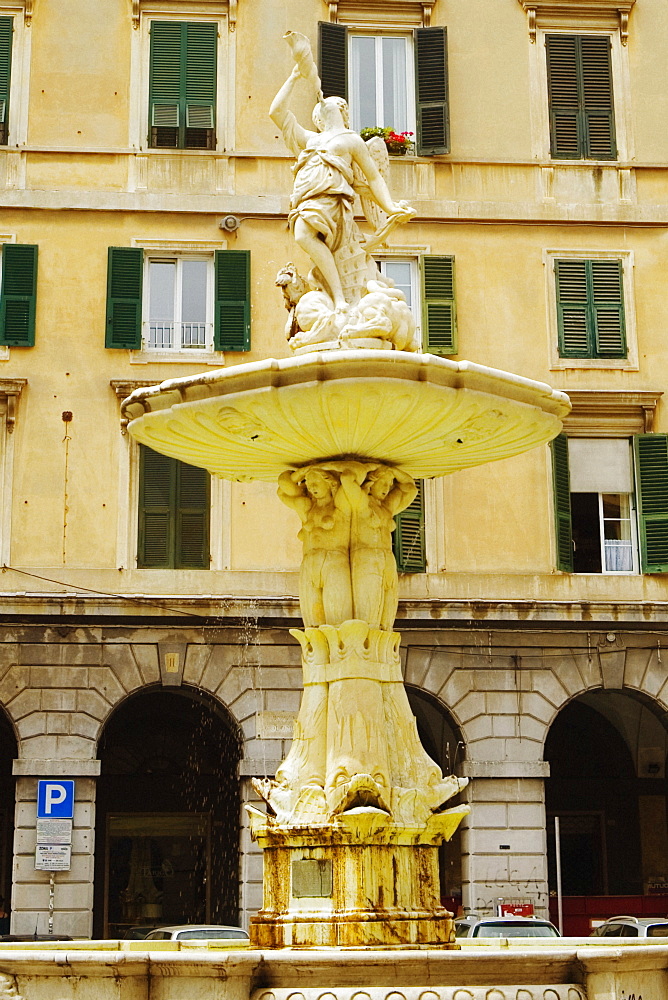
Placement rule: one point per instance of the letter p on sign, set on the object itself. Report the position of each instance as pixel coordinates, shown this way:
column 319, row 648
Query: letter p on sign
column 55, row 799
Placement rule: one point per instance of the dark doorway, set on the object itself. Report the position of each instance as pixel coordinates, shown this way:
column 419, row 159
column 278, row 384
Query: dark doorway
column 8, row 753
column 442, row 740
column 167, row 829
column 594, row 788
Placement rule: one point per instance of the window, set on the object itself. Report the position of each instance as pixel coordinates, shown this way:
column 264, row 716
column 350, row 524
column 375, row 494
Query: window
column 579, row 80
column 590, row 308
column 408, row 539
column 18, row 295
column 428, row 283
column 178, row 314
column 182, row 85
column 182, row 303
column 598, row 527
column 381, row 69
column 6, row 35
column 591, row 313
column 173, row 513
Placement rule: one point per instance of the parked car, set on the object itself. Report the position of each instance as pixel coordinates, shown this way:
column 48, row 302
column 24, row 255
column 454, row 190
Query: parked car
column 197, row 932
column 473, row 926
column 632, row 927
column 139, row 931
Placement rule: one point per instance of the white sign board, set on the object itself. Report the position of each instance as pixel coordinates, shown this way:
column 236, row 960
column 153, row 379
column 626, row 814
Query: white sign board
column 53, row 857
column 275, row 725
column 54, row 831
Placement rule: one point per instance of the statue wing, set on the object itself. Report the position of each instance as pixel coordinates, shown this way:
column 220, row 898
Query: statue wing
column 373, row 214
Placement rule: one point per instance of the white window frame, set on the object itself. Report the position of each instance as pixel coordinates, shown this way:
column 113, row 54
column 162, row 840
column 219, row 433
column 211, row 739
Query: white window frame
column 170, row 250
column 139, row 79
column 413, row 255
column 621, row 91
column 19, row 84
column 633, row 517
column 177, row 259
column 557, row 363
column 378, row 33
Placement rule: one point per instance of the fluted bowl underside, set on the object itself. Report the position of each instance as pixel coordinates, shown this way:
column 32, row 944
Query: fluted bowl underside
column 428, row 416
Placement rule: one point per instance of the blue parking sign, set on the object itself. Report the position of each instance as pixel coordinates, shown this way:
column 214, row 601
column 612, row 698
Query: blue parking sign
column 55, row 799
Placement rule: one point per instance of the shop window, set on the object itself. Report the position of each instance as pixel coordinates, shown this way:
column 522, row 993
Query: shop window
column 182, row 303
column 611, row 504
column 391, row 80
column 173, row 513
column 182, row 84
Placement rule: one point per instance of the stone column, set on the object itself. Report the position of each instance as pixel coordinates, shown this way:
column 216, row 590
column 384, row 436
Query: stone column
column 73, row 901
column 504, row 849
column 250, row 858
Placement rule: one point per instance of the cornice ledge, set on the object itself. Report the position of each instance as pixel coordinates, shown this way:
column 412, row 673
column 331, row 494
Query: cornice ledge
column 610, row 413
column 123, row 387
column 574, row 10
column 228, row 7
column 385, row 10
column 10, row 390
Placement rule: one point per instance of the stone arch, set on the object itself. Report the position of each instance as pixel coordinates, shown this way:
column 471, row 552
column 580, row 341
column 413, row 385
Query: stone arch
column 167, row 805
column 8, row 753
column 607, row 750
column 431, row 672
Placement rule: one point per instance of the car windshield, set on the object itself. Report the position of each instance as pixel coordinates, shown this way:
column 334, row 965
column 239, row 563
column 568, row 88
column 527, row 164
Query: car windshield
column 510, row 928
column 210, row 934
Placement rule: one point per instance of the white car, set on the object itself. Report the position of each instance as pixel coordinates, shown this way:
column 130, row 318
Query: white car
column 632, row 927
column 503, row 927
column 198, row 932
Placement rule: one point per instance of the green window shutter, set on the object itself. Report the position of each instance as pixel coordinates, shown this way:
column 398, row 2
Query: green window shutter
column 564, row 96
column 192, row 517
column 232, row 309
column 200, row 94
column 166, row 88
column 562, row 503
column 408, row 540
column 333, row 59
column 572, row 311
column 579, row 81
column 18, row 300
column 6, row 33
column 590, row 308
column 651, row 466
column 597, row 101
column 173, row 513
column 439, row 314
column 431, row 88
column 124, row 297
column 157, row 489
column 182, row 84
column 607, row 299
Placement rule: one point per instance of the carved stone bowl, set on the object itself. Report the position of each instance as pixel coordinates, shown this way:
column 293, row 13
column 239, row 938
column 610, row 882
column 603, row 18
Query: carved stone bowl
column 429, row 416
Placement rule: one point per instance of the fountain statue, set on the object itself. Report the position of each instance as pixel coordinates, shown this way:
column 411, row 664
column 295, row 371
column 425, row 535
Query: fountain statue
column 355, row 813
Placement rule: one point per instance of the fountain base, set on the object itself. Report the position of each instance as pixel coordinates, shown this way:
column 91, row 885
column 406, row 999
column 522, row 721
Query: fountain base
column 339, row 888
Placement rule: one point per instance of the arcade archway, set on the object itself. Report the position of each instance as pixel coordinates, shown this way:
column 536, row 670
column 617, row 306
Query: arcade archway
column 8, row 753
column 167, row 827
column 442, row 740
column 607, row 754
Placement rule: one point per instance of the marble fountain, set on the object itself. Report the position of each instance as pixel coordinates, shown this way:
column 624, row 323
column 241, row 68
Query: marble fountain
column 356, row 812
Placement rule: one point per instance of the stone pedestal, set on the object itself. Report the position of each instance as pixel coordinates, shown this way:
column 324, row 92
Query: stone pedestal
column 354, row 817
column 349, row 886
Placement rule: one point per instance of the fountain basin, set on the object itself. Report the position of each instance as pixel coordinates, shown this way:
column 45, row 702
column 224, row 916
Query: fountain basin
column 428, row 416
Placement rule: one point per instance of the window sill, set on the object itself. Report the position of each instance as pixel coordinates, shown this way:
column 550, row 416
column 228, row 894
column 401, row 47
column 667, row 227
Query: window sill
column 216, row 358
column 599, row 364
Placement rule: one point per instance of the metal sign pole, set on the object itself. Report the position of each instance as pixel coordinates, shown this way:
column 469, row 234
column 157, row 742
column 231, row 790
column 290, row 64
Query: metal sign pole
column 557, row 849
column 52, row 894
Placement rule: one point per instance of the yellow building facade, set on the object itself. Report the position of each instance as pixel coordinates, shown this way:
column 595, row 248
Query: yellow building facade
column 144, row 610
